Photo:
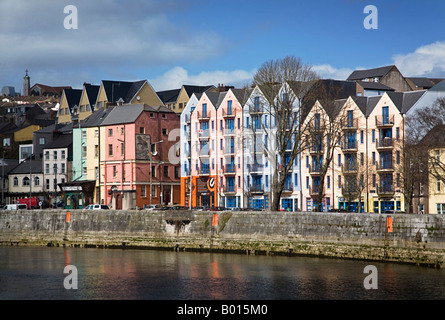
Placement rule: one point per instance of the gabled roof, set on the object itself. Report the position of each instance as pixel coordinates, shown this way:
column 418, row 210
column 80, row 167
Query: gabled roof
column 367, row 85
column 435, row 137
column 24, row 167
column 96, row 118
column 242, row 95
column 189, row 89
column 49, row 89
column 405, row 100
column 216, row 98
column 61, row 141
column 169, row 96
column 91, row 91
column 129, row 113
column 72, row 97
column 370, row 73
column 121, row 89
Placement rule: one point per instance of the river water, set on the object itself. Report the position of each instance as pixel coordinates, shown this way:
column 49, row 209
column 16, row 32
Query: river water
column 38, row 273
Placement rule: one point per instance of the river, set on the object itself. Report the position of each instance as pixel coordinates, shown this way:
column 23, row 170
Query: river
column 34, row 273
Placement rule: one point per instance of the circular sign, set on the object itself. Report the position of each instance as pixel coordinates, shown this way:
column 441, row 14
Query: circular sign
column 40, row 203
column 211, row 184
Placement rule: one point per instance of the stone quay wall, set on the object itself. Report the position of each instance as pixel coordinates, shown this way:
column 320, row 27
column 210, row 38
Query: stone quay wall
column 417, row 239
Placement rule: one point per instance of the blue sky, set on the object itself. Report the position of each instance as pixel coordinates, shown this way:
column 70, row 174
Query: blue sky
column 174, row 42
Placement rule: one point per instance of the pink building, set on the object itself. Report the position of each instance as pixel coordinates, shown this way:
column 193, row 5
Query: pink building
column 133, row 135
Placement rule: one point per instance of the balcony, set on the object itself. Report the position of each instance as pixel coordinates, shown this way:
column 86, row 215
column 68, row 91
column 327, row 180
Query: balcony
column 313, row 191
column 230, row 150
column 188, row 134
column 387, row 189
column 204, row 171
column 204, row 152
column 349, row 168
column 314, row 169
column 204, row 134
column 384, row 121
column 349, row 146
column 256, row 168
column 229, row 132
column 384, row 167
column 316, row 150
column 257, row 188
column 256, row 110
column 227, row 114
column 350, row 124
column 229, row 189
column 288, row 187
column 229, row 169
column 203, row 116
column 384, row 144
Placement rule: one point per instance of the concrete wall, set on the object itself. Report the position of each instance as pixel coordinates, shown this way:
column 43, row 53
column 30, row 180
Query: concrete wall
column 416, row 239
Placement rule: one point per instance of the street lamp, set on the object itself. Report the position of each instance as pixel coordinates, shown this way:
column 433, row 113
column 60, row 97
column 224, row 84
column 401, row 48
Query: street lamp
column 151, row 160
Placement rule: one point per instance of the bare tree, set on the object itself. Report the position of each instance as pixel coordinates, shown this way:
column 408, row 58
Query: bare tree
column 285, row 84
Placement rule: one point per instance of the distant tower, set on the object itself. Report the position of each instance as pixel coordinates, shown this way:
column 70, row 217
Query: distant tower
column 26, row 84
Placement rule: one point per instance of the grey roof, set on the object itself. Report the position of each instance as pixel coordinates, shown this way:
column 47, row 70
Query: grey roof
column 121, row 89
column 371, row 103
column 370, row 73
column 72, row 97
column 242, row 95
column 96, row 118
column 62, row 127
column 8, row 165
column 35, row 166
column 435, row 137
column 61, row 141
column 374, row 86
column 405, row 100
column 216, row 98
column 169, row 96
column 92, row 92
column 128, row 113
column 196, row 89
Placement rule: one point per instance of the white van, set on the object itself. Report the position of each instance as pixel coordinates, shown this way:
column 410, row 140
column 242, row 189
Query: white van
column 16, row 207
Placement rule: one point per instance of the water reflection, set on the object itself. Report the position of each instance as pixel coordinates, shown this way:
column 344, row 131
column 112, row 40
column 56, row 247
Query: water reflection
column 37, row 273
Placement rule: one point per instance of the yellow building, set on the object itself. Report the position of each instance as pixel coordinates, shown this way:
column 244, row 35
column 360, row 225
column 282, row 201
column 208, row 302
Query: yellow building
column 69, row 100
column 122, row 92
column 177, row 99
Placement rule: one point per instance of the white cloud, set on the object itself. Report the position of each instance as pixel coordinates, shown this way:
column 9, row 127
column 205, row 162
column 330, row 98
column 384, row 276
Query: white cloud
column 112, row 35
column 428, row 60
column 176, row 77
column 327, row 71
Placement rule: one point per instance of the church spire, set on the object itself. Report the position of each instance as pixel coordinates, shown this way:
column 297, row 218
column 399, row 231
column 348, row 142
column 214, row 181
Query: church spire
column 26, row 84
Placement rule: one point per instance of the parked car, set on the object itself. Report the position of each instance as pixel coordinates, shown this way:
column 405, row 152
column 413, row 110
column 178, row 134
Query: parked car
column 16, row 207
column 152, row 207
column 97, row 207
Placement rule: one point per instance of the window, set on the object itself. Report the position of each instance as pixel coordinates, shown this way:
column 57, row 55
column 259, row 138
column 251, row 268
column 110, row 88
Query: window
column 36, row 181
column 16, row 182
column 153, row 171
column 165, row 171
column 153, row 191
column 122, row 149
column 143, row 192
column 110, row 132
column 47, row 184
column 398, row 157
column 62, row 169
column 373, row 158
column 397, row 133
column 41, row 141
column 63, row 155
column 110, row 149
column 177, row 169
column 84, row 170
column 328, row 182
column 46, row 155
column 141, row 130
column 307, row 182
column 440, row 208
column 47, row 168
column 84, row 134
column 96, row 151
column 25, row 181
column 339, row 182
column 84, row 151
column 229, row 107
column 438, row 185
column 55, row 168
column 114, row 171
column 55, row 155
column 339, row 160
column 373, row 180
column 373, row 135
column 164, row 132
column 362, row 137
column 122, row 131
